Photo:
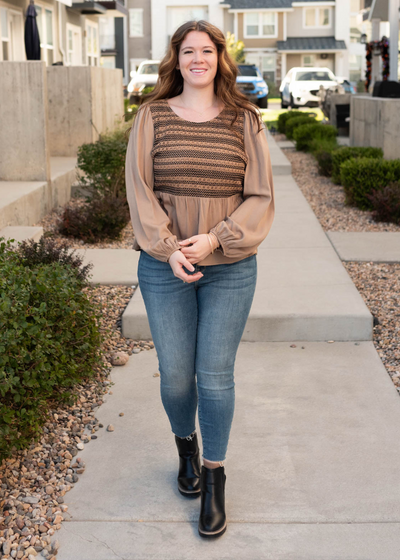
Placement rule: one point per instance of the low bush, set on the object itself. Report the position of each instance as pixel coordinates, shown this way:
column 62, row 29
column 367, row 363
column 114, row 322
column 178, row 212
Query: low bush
column 50, row 340
column 103, row 164
column 99, row 219
column 284, row 117
column 305, row 134
column 361, row 176
column 386, row 203
column 323, row 149
column 47, row 251
column 294, row 122
column 345, row 153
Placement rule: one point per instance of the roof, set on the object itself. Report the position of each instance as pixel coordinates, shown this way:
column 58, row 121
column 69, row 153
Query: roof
column 260, row 4
column 257, row 4
column 311, row 44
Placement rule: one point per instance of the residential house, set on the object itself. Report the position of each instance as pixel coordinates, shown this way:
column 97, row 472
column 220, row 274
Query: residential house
column 82, row 33
column 281, row 34
column 168, row 15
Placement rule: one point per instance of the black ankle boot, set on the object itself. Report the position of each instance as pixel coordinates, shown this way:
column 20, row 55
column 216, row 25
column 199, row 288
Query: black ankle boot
column 212, row 521
column 189, row 466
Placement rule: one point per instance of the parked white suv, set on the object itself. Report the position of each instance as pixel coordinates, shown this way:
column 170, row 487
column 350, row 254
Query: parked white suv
column 300, row 86
column 145, row 76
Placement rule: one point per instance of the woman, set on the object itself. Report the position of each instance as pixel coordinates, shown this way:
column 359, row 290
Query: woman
column 201, row 198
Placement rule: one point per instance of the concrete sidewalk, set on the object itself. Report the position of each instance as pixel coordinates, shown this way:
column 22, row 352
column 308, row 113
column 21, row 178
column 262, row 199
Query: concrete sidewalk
column 312, row 464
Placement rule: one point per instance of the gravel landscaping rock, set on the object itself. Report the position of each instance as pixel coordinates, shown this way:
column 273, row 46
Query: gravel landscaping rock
column 327, row 199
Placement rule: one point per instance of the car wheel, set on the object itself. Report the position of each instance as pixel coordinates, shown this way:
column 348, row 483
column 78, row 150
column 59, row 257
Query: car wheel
column 292, row 103
column 283, row 104
column 263, row 102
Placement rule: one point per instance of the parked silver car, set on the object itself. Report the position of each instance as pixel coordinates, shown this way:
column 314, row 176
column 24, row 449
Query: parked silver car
column 145, row 76
column 300, row 86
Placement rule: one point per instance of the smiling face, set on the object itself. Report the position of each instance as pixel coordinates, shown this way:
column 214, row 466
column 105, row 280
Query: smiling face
column 198, row 59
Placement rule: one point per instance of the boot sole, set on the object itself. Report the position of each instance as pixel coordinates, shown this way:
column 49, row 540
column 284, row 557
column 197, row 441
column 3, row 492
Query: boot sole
column 214, row 534
column 195, row 494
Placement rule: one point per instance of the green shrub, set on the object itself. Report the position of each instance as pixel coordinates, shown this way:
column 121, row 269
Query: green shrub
column 361, row 176
column 103, row 164
column 323, row 149
column 50, row 340
column 99, row 219
column 46, row 251
column 306, row 133
column 283, row 117
column 294, row 122
column 345, row 153
column 386, row 203
column 130, row 112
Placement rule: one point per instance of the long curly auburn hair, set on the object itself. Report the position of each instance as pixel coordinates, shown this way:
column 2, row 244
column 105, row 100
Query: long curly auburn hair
column 170, row 81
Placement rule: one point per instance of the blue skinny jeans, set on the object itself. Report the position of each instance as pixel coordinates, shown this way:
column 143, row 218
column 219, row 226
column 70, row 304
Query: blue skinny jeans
column 196, row 330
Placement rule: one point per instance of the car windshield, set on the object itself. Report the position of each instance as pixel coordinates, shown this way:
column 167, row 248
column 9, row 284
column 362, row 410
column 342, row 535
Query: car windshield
column 314, row 76
column 247, row 71
column 148, row 69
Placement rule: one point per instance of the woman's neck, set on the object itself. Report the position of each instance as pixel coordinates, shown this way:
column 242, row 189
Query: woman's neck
column 198, row 99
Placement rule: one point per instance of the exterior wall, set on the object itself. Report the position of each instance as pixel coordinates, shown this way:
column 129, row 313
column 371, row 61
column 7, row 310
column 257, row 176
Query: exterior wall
column 296, row 28
column 292, row 60
column 228, row 24
column 24, row 142
column 159, row 35
column 78, row 97
column 375, row 121
column 140, row 47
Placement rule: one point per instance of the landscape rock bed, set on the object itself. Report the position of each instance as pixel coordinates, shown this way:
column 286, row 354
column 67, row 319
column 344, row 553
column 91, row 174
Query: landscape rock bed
column 379, row 286
column 327, row 199
column 33, row 482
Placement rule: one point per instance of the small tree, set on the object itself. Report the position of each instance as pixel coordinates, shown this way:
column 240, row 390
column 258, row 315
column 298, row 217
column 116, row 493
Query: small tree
column 235, row 48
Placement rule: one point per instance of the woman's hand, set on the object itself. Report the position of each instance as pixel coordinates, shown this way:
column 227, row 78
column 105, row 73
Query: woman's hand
column 199, row 248
column 177, row 260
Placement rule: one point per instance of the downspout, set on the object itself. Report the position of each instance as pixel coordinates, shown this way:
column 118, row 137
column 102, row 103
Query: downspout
column 60, row 48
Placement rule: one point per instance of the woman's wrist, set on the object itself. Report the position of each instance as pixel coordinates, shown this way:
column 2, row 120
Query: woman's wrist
column 214, row 239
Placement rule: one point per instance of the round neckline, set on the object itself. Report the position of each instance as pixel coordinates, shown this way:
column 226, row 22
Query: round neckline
column 193, row 122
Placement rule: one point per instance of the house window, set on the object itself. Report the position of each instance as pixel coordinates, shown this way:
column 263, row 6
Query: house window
column 136, row 22
column 45, row 25
column 107, row 33
column 317, row 17
column 92, row 44
column 260, row 24
column 309, row 60
column 5, row 39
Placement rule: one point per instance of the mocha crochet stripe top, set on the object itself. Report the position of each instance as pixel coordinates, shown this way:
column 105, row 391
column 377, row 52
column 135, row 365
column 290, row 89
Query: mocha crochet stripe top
column 184, row 178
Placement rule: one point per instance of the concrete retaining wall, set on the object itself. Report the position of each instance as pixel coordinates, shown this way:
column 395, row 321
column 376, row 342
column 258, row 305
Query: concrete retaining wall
column 375, row 121
column 83, row 103
column 24, row 143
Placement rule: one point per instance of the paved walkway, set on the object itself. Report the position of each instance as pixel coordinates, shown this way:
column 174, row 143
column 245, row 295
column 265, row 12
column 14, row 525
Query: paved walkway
column 312, row 466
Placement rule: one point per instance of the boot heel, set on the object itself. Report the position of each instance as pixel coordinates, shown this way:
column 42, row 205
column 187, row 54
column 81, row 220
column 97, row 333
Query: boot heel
column 212, row 520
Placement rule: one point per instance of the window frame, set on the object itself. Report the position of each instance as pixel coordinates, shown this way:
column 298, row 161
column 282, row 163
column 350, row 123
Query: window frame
column 140, row 11
column 314, row 60
column 317, row 10
column 45, row 46
column 96, row 56
column 260, row 25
